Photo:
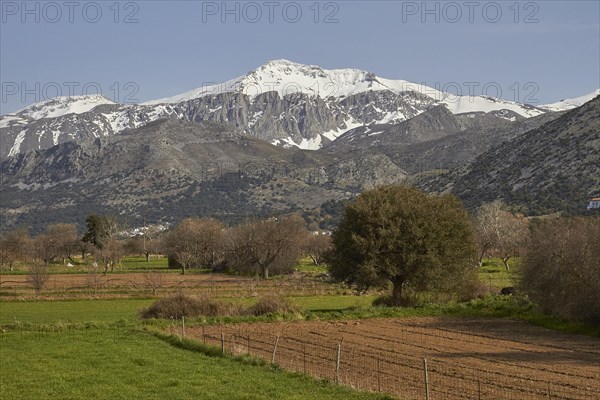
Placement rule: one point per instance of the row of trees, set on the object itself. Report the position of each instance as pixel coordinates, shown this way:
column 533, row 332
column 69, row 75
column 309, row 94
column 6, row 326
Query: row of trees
column 260, row 247
column 103, row 239
column 391, row 236
column 255, row 247
column 58, row 241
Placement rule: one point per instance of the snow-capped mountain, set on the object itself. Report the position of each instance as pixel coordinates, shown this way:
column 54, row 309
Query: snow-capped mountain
column 286, row 78
column 282, row 102
column 568, row 104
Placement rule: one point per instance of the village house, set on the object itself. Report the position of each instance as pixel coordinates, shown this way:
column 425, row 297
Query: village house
column 594, row 203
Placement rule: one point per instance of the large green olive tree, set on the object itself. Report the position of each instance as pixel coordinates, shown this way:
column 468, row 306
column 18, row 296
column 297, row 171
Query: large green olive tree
column 401, row 236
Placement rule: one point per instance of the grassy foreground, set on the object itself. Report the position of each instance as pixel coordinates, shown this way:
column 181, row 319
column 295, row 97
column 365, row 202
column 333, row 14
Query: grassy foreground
column 107, row 364
column 126, row 312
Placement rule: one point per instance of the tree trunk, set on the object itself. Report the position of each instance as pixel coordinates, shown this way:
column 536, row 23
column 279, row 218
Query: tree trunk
column 397, row 292
column 266, row 272
column 481, row 255
column 505, row 262
column 147, row 257
column 182, row 269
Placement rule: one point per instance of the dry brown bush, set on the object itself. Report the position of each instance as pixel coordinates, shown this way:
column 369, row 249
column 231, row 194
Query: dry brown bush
column 561, row 271
column 182, row 305
column 272, row 305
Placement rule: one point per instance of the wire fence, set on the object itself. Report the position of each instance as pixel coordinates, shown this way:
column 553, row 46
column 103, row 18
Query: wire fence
column 377, row 363
column 111, row 285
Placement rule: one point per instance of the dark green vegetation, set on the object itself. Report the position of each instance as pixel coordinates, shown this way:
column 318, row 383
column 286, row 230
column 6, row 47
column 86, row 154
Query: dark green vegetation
column 400, row 236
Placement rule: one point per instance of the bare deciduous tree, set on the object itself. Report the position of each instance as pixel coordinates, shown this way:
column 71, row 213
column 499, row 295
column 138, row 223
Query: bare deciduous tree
column 500, row 232
column 266, row 246
column 64, row 237
column 153, row 280
column 316, row 246
column 561, row 269
column 111, row 254
column 148, row 243
column 14, row 246
column 195, row 242
column 44, row 249
column 38, row 276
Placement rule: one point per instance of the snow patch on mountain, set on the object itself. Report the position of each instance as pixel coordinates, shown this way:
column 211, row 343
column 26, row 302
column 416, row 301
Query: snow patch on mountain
column 15, row 149
column 8, row 120
column 59, row 106
column 568, row 104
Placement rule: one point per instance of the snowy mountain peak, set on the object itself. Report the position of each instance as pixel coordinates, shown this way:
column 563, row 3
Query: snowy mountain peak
column 568, row 104
column 287, row 77
column 58, row 106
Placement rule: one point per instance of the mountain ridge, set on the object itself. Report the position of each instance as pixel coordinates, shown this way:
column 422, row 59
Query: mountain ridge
column 308, row 115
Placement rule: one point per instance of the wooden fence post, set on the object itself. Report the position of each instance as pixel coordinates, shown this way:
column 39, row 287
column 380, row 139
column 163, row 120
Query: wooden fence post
column 378, row 376
column 426, row 379
column 222, row 343
column 337, row 364
column 304, row 356
column 274, row 350
column 203, row 335
column 182, row 326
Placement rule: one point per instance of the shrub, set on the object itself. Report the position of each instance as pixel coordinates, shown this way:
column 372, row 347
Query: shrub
column 181, row 305
column 474, row 289
column 409, row 299
column 272, row 305
column 561, row 272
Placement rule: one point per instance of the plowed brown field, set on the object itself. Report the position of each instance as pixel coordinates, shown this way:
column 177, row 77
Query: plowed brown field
column 125, row 284
column 466, row 358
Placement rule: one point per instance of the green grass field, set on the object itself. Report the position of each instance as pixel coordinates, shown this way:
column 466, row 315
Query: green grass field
column 110, row 364
column 49, row 312
column 77, row 311
column 128, row 264
column 307, row 266
column 495, row 274
column 100, row 349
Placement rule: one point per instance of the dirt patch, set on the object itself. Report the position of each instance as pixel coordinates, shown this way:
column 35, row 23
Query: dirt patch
column 466, row 358
column 125, row 284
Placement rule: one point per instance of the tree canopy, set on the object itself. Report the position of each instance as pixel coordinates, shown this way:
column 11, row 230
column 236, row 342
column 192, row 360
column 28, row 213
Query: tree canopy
column 400, row 236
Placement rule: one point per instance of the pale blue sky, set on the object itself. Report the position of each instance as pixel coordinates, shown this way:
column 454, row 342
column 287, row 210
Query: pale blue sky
column 176, row 46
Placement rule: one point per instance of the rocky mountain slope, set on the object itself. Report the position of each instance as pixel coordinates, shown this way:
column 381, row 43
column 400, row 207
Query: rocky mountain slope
column 170, row 169
column 555, row 167
column 435, row 139
column 234, row 150
column 281, row 102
